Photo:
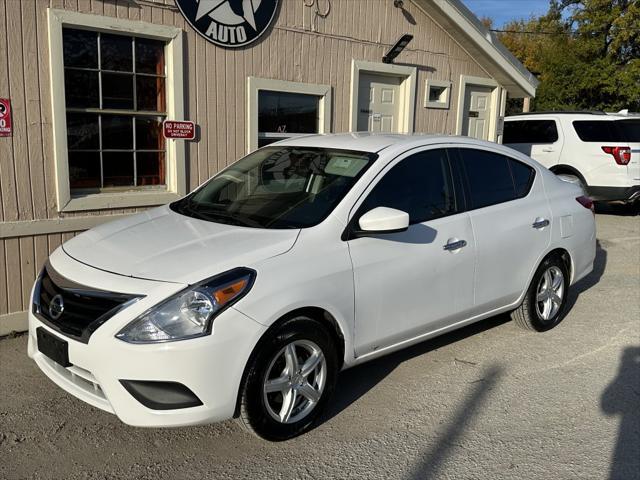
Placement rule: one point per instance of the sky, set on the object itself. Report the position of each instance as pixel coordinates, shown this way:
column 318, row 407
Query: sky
column 501, row 11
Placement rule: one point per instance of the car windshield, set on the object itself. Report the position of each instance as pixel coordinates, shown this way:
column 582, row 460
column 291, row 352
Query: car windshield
column 278, row 187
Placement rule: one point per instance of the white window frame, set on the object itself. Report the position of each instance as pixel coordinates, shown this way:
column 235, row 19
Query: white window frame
column 408, row 91
column 175, row 149
column 432, row 82
column 255, row 84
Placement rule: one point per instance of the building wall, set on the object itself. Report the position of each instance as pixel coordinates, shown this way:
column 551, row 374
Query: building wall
column 302, row 46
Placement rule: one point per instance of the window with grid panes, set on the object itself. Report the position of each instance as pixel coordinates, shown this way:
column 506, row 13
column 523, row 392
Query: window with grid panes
column 115, row 105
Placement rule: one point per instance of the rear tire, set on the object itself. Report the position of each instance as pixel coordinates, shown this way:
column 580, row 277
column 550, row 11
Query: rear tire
column 289, row 380
column 544, row 303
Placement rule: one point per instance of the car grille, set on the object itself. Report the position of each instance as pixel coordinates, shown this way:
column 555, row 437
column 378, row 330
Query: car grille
column 84, row 309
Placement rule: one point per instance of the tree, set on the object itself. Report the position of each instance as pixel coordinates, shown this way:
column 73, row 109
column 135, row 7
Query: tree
column 586, row 54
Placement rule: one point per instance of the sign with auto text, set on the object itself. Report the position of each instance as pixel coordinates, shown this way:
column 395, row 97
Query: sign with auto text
column 5, row 118
column 229, row 23
column 181, row 130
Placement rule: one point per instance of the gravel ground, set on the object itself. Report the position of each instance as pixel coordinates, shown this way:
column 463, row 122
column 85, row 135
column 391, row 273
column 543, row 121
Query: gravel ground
column 489, row 401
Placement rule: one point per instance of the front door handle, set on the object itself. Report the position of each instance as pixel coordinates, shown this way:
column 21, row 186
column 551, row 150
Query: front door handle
column 540, row 223
column 454, row 244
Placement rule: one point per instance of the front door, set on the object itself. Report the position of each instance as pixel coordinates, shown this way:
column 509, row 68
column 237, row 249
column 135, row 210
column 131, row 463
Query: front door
column 379, row 98
column 408, row 284
column 477, row 112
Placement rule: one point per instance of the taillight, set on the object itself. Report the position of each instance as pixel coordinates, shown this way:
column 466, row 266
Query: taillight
column 586, row 202
column 622, row 155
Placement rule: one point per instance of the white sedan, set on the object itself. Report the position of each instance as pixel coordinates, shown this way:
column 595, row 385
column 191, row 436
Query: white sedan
column 247, row 297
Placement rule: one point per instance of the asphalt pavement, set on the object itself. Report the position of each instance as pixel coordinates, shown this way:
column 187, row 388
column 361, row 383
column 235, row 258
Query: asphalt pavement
column 490, row 401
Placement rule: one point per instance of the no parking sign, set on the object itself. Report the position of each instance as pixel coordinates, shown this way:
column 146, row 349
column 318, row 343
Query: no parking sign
column 5, row 117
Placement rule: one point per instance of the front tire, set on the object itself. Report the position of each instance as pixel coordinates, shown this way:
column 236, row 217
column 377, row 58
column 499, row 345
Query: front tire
column 289, row 380
column 544, row 303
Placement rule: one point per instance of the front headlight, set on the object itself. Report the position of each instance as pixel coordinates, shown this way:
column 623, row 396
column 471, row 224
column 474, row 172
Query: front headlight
column 189, row 313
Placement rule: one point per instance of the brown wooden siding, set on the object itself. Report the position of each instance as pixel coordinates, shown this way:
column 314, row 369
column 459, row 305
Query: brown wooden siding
column 301, row 47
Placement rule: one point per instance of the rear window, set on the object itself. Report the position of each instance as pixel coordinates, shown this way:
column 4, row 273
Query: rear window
column 530, row 131
column 608, row 130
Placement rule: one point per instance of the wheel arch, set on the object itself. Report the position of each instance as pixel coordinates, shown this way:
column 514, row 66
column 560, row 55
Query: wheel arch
column 568, row 169
column 323, row 316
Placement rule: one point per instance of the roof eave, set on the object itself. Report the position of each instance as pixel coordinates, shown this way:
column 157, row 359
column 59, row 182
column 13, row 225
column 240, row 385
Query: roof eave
column 479, row 41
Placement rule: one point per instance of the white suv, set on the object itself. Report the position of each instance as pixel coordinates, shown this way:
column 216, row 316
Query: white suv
column 598, row 151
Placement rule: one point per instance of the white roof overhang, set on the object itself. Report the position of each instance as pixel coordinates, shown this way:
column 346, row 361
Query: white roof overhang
column 482, row 44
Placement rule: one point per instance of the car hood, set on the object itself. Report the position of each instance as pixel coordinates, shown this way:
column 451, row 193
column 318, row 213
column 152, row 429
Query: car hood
column 161, row 244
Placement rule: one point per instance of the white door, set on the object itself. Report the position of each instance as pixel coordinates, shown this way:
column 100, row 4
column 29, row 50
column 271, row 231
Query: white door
column 379, row 103
column 407, row 283
column 511, row 224
column 477, row 112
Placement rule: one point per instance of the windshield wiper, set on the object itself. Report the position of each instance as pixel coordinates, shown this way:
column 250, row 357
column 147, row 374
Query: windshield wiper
column 211, row 214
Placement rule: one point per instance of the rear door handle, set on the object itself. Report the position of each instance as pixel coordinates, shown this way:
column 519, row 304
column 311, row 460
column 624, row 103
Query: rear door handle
column 540, row 223
column 455, row 245
column 548, row 150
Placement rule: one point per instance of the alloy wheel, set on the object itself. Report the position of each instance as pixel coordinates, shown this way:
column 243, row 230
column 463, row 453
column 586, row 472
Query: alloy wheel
column 550, row 293
column 294, row 381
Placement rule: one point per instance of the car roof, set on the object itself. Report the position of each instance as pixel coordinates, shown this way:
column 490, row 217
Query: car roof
column 567, row 115
column 374, row 142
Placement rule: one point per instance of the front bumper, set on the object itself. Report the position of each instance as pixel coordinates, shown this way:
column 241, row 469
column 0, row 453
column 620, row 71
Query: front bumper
column 211, row 366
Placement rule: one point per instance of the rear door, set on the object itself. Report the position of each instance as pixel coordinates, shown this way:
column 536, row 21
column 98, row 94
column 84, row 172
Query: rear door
column 539, row 138
column 511, row 222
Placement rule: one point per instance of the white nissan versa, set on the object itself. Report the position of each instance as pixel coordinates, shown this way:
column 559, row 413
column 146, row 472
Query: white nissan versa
column 248, row 296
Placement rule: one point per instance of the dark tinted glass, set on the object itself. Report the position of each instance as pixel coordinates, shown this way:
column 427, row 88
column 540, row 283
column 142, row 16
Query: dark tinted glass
column 150, row 93
column 80, row 48
column 116, row 53
column 630, row 129
column 82, row 131
column 117, row 90
column 81, row 89
column 488, row 176
column 419, row 185
column 150, row 168
column 149, row 56
column 287, row 112
column 597, row 131
column 117, row 132
column 149, row 133
column 530, row 131
column 84, row 169
column 522, row 177
column 117, row 168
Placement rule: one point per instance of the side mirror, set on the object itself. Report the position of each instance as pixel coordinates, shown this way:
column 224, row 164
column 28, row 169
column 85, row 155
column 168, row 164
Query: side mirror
column 383, row 220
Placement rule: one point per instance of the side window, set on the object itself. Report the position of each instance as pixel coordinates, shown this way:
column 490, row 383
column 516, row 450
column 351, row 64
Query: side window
column 419, row 185
column 530, row 131
column 522, row 177
column 488, row 176
column 597, row 131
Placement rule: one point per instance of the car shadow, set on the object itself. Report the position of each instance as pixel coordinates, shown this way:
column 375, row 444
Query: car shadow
column 599, row 266
column 622, row 398
column 355, row 382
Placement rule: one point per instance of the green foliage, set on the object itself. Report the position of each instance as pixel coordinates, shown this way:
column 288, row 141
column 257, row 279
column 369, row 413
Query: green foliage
column 586, row 54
